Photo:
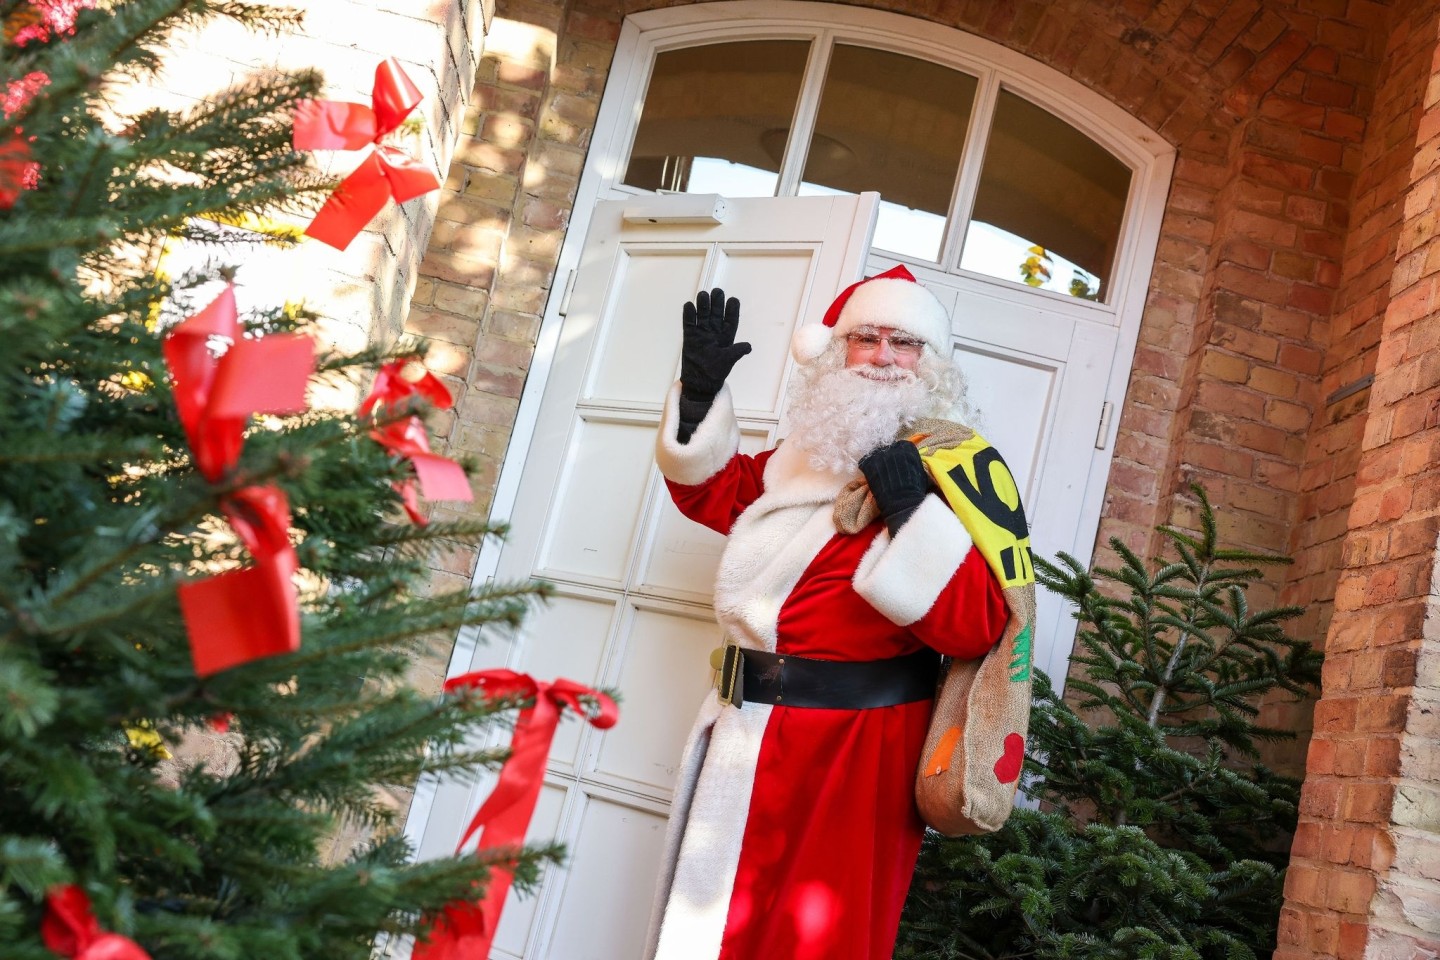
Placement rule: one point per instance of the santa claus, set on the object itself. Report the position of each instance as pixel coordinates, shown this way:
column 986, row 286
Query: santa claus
column 794, row 832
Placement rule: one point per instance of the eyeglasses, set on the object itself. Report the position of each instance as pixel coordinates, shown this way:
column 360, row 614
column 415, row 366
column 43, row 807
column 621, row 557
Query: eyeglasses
column 902, row 345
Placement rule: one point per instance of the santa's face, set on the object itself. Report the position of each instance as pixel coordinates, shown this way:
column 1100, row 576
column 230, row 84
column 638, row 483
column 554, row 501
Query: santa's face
column 853, row 399
column 881, row 353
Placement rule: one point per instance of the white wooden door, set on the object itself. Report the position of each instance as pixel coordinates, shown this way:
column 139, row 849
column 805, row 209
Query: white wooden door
column 1038, row 378
column 633, row 578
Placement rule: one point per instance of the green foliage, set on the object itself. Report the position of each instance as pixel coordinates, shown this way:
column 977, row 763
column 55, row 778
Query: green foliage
column 1160, row 834
column 102, row 515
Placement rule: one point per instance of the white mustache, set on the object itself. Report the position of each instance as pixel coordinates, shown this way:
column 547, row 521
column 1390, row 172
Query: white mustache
column 888, row 374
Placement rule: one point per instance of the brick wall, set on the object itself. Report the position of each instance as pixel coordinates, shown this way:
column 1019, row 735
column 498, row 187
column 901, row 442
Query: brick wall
column 1362, row 882
column 490, row 266
column 362, row 293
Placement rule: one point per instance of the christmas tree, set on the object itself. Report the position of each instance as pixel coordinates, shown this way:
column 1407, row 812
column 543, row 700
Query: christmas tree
column 1159, row 834
column 127, row 487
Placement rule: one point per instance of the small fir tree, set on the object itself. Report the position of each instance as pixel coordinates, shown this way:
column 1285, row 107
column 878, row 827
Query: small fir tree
column 1159, row 836
column 103, row 514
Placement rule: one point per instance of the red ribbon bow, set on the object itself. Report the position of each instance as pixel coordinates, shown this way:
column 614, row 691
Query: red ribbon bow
column 216, row 396
column 440, row 478
column 71, row 930
column 252, row 612
column 391, row 388
column 17, row 171
column 386, row 172
column 465, row 929
column 43, row 19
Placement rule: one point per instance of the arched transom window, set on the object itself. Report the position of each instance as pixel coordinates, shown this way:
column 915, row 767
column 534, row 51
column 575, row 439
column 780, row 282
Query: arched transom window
column 975, row 175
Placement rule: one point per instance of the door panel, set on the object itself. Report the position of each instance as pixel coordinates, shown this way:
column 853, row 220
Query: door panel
column 1017, row 394
column 681, row 556
column 518, row 919
column 663, row 648
column 603, row 910
column 781, row 277
column 591, row 523
column 636, row 356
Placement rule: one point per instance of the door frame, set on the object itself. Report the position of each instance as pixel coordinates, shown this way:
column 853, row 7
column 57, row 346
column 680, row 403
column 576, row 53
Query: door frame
column 1151, row 159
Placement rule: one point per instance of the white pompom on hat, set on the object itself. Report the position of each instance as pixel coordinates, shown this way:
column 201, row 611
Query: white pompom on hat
column 891, row 299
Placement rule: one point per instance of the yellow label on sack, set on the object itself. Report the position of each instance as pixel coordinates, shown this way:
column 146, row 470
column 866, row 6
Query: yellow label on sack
column 981, row 490
column 144, row 739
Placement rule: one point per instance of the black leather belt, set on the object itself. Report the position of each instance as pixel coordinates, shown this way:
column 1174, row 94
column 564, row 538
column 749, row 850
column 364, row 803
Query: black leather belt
column 789, row 681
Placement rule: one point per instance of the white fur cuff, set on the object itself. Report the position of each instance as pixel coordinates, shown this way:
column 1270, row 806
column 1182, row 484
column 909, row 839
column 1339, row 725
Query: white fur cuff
column 903, row 578
column 714, row 442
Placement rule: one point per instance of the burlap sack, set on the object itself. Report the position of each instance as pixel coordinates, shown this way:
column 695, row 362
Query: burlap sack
column 975, row 747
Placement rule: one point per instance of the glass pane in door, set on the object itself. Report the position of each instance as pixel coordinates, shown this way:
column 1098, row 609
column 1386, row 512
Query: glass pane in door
column 897, row 125
column 716, row 116
column 1050, row 204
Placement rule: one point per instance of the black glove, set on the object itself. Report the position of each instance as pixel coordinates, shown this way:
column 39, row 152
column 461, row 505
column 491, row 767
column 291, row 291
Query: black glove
column 898, row 481
column 708, row 354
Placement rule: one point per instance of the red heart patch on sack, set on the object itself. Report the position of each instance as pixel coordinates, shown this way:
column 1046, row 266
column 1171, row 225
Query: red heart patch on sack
column 1007, row 768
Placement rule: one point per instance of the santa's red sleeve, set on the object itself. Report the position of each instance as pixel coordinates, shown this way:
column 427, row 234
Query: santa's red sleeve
column 710, row 481
column 930, row 578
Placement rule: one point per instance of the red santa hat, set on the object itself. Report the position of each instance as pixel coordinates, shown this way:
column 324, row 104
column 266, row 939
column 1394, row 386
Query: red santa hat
column 891, row 299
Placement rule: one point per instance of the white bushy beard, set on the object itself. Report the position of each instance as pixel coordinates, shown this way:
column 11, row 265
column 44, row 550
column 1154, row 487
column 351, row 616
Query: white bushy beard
column 838, row 414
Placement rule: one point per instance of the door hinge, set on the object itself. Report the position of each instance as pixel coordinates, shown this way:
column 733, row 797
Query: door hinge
column 569, row 289
column 1103, row 432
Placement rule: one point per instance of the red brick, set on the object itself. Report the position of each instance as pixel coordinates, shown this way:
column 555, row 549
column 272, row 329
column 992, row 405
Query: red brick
column 1304, row 360
column 1335, row 716
column 1331, row 93
column 1304, row 296
column 1412, row 304
column 1304, row 884
column 1382, row 714
column 515, row 75
column 1346, row 126
column 1231, row 400
column 1278, row 172
column 1292, row 931
column 506, row 130
column 1307, row 116
column 1350, row 892
column 1353, row 938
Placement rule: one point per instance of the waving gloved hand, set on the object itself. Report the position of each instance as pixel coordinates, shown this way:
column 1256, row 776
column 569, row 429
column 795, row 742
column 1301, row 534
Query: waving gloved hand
column 898, row 481
column 708, row 355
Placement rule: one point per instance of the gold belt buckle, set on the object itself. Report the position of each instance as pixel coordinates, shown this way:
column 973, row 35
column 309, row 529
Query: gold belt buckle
column 727, row 662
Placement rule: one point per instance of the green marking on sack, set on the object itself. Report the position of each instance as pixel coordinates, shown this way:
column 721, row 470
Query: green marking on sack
column 1020, row 666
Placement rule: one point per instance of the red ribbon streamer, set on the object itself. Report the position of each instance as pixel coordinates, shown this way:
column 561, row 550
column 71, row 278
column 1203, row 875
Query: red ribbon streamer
column 252, row 612
column 439, row 477
column 465, row 929
column 385, row 173
column 71, row 930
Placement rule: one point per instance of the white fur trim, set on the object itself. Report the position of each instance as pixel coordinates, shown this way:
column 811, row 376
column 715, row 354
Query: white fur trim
column 771, row 545
column 702, row 877
column 900, row 304
column 903, row 578
column 711, row 446
column 810, row 341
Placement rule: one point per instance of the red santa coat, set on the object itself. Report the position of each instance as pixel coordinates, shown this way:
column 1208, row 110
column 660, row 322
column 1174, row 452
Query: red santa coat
column 793, row 831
